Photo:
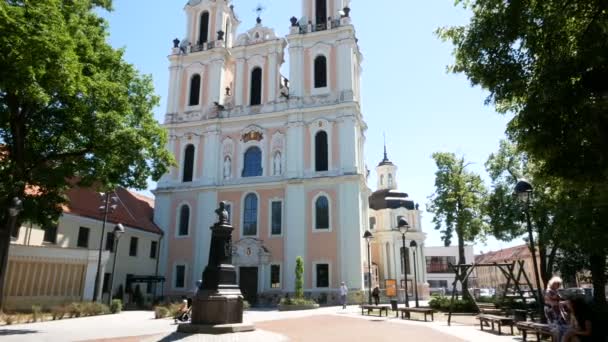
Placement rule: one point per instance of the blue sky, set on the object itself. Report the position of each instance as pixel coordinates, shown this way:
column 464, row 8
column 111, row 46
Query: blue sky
column 406, row 92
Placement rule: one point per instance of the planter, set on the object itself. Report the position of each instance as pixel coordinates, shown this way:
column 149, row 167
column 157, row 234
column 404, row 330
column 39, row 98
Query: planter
column 284, row 307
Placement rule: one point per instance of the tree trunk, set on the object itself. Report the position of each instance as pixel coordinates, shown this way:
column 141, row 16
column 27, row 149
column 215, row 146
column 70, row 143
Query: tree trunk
column 462, row 260
column 5, row 242
column 598, row 273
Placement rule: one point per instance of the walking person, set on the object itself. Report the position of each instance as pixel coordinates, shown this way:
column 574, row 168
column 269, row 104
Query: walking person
column 376, row 295
column 343, row 294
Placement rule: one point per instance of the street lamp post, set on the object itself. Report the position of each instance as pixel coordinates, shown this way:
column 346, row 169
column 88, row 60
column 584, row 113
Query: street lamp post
column 118, row 231
column 523, row 191
column 413, row 244
column 403, row 227
column 368, row 237
column 105, row 209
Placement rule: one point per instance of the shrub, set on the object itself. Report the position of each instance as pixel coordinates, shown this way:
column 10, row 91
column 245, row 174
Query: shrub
column 58, row 312
column 161, row 312
column 174, row 309
column 297, row 301
column 442, row 303
column 120, row 293
column 299, row 277
column 36, row 313
column 116, row 306
column 9, row 319
column 75, row 310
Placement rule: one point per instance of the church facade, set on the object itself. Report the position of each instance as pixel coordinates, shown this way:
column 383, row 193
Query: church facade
column 285, row 153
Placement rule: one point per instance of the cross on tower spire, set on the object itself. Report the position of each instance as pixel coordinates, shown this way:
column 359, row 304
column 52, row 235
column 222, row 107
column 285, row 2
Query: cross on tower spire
column 259, row 10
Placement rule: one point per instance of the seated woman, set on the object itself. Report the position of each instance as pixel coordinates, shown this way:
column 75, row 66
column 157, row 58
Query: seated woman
column 182, row 313
column 581, row 329
column 552, row 301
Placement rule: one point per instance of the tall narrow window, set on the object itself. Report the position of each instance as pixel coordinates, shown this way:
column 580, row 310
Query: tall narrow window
column 320, row 72
column 188, row 164
column 252, row 162
column 256, row 87
column 153, row 248
column 321, row 14
column 390, row 180
column 83, row 237
column 184, row 220
column 322, row 213
column 110, row 242
column 321, row 152
column 322, row 275
column 250, row 215
column 275, row 276
column 133, row 246
column 195, row 90
column 180, row 276
column 50, row 234
column 277, row 218
column 203, row 34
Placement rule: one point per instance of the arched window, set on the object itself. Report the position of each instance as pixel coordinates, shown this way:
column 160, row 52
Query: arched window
column 252, row 166
column 188, row 164
column 321, row 13
column 320, row 72
column 322, row 213
column 184, row 220
column 256, row 87
column 250, row 215
column 381, row 180
column 203, row 33
column 195, row 90
column 321, row 152
column 390, row 180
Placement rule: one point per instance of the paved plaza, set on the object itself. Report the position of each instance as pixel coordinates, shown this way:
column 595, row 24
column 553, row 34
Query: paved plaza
column 324, row 324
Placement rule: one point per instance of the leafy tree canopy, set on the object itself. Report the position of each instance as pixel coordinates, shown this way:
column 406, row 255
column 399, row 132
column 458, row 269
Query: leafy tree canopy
column 546, row 61
column 70, row 107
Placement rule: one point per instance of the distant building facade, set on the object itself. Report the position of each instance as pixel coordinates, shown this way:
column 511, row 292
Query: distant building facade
column 440, row 276
column 58, row 264
column 492, row 277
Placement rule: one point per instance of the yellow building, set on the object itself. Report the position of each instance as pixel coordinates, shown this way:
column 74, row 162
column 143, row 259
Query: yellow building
column 492, row 277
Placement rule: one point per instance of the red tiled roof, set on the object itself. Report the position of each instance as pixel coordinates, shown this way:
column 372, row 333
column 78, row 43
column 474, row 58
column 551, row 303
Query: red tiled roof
column 507, row 254
column 133, row 210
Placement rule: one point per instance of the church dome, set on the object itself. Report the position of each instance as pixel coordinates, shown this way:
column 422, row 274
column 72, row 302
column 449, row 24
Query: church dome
column 390, row 199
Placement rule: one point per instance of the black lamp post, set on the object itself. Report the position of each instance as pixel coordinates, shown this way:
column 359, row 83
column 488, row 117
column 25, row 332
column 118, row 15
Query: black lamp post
column 413, row 244
column 403, row 228
column 105, row 209
column 119, row 229
column 523, row 191
column 368, row 237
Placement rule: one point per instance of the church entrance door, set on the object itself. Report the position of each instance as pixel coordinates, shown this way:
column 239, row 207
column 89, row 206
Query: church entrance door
column 248, row 282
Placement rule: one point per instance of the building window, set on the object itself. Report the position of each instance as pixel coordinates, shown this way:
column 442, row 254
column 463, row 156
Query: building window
column 203, row 31
column 321, row 14
column 83, row 237
column 153, row 248
column 381, row 180
column 133, row 247
column 50, row 234
column 322, row 275
column 322, row 213
column 184, row 220
column 321, row 152
column 256, row 87
column 180, row 276
column 250, row 215
column 110, row 241
column 252, row 162
column 390, row 180
column 106, row 283
column 188, row 164
column 320, row 72
column 195, row 90
column 372, row 223
column 436, row 284
column 275, row 276
column 440, row 264
column 277, row 217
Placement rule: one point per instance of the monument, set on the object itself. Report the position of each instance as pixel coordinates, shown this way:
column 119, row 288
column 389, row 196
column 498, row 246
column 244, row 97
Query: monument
column 217, row 307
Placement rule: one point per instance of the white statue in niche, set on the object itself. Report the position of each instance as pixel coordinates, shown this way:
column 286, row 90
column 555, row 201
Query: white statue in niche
column 277, row 164
column 227, row 167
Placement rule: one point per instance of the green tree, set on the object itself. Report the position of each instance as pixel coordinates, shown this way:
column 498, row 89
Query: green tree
column 71, row 109
column 457, row 203
column 546, row 63
column 299, row 278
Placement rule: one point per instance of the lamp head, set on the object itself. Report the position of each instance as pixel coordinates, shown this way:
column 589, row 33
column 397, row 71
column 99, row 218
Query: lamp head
column 119, row 229
column 16, row 206
column 413, row 244
column 403, row 225
column 368, row 236
column 523, row 191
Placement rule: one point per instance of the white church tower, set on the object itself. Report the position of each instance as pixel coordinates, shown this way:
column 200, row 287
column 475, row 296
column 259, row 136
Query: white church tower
column 285, row 154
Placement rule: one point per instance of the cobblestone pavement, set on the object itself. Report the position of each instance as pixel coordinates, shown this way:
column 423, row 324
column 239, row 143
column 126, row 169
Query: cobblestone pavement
column 325, row 324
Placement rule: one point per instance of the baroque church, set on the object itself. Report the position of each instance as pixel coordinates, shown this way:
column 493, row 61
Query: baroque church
column 284, row 152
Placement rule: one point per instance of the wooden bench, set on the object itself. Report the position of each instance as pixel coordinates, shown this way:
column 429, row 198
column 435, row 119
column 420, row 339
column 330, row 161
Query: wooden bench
column 371, row 308
column 536, row 328
column 406, row 312
column 500, row 320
